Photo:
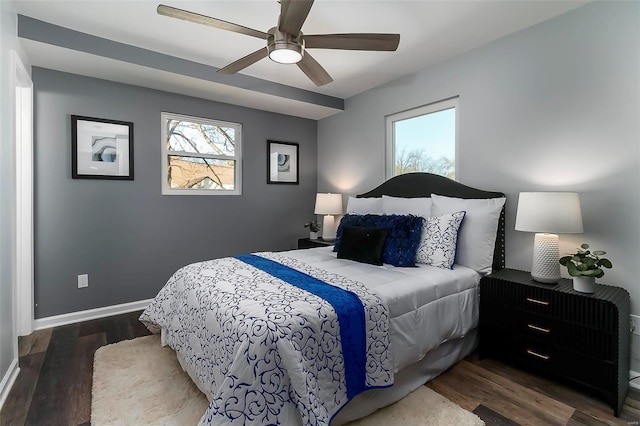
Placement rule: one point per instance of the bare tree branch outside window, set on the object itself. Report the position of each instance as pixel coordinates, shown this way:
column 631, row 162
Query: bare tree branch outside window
column 188, row 170
column 418, row 160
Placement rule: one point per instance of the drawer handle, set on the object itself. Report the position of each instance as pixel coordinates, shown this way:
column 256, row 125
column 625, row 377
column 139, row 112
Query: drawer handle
column 545, row 357
column 539, row 302
column 535, row 327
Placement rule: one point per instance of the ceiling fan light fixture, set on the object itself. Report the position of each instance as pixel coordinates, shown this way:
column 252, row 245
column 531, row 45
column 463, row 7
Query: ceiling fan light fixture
column 284, row 48
column 285, row 55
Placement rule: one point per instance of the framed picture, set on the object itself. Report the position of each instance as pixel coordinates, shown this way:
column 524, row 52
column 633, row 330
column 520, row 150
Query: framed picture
column 101, row 149
column 282, row 162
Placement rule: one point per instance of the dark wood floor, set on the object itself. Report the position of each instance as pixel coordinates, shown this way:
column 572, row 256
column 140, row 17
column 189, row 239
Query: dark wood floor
column 54, row 384
column 56, row 368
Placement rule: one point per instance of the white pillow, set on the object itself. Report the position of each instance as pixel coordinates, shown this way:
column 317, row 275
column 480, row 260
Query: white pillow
column 438, row 241
column 404, row 206
column 477, row 235
column 364, row 205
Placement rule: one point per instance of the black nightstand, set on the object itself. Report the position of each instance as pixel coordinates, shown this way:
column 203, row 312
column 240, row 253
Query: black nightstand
column 554, row 329
column 305, row 243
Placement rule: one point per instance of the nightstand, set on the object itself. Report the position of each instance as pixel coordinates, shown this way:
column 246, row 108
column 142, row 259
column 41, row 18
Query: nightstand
column 554, row 329
column 305, row 243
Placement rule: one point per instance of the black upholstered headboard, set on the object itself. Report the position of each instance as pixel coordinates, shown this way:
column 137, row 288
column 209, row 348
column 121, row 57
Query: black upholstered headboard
column 413, row 185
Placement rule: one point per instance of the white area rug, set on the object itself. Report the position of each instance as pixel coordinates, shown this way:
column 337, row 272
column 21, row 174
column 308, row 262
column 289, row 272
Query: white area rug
column 138, row 382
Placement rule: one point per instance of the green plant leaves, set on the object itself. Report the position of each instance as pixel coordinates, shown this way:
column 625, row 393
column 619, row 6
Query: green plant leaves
column 313, row 226
column 573, row 271
column 593, row 273
column 565, row 259
column 586, row 263
column 606, row 263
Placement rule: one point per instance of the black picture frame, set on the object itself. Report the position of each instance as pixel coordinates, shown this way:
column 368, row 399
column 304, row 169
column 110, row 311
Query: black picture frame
column 101, row 148
column 283, row 163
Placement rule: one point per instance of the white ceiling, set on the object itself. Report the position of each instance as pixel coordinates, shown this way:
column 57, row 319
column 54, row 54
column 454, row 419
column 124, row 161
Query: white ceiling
column 430, row 32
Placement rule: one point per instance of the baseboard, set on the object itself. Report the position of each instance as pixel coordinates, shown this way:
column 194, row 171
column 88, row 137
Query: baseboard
column 634, row 383
column 90, row 314
column 7, row 381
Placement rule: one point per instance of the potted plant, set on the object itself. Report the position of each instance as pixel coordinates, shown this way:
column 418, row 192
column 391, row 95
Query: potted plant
column 313, row 229
column 585, row 266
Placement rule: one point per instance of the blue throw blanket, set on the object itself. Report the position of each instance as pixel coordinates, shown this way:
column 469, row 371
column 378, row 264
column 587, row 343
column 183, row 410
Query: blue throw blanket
column 348, row 308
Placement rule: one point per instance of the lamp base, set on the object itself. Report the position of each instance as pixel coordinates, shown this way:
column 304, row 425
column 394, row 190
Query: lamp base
column 329, row 227
column 546, row 253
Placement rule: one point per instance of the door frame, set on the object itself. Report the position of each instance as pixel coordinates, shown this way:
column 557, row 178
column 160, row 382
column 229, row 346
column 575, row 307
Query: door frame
column 23, row 138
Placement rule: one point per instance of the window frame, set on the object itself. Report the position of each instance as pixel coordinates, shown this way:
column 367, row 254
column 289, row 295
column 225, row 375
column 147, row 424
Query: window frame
column 237, row 158
column 430, row 108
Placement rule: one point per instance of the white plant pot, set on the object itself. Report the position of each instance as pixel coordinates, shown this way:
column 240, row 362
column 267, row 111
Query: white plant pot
column 313, row 235
column 584, row 284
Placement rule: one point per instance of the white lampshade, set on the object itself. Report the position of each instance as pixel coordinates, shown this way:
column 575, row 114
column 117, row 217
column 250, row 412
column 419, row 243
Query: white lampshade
column 548, row 214
column 328, row 205
column 552, row 212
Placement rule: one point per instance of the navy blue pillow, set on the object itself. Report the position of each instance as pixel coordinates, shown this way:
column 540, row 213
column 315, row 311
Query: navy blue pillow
column 403, row 240
column 365, row 245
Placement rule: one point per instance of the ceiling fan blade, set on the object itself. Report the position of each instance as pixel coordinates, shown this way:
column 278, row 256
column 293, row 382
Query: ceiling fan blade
column 293, row 13
column 314, row 70
column 207, row 20
column 242, row 63
column 384, row 42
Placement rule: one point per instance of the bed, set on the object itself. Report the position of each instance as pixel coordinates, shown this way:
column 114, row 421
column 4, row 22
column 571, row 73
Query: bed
column 315, row 337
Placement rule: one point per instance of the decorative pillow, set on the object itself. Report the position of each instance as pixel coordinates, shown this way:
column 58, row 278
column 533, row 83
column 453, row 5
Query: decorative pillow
column 439, row 238
column 364, row 245
column 364, row 205
column 477, row 235
column 402, row 241
column 404, row 206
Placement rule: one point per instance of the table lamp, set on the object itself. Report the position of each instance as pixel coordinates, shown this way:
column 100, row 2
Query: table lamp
column 548, row 214
column 328, row 205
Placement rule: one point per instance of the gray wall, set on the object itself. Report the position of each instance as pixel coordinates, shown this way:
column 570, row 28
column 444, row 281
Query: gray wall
column 553, row 107
column 125, row 234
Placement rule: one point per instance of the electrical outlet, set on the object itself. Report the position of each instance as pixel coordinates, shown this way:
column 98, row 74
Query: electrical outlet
column 635, row 323
column 83, row 280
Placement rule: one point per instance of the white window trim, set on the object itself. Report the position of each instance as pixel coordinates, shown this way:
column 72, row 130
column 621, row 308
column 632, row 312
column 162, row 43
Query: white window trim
column 237, row 158
column 390, row 121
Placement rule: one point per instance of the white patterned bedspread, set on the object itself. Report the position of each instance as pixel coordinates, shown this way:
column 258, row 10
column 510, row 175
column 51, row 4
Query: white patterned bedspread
column 427, row 305
column 265, row 351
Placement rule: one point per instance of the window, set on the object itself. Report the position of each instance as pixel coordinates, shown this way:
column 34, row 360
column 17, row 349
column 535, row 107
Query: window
column 200, row 156
column 423, row 140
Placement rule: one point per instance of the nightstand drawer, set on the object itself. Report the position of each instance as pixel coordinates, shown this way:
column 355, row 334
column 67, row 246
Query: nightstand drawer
column 549, row 330
column 552, row 359
column 578, row 309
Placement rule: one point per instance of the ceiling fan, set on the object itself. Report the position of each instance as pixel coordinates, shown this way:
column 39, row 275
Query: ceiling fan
column 286, row 44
